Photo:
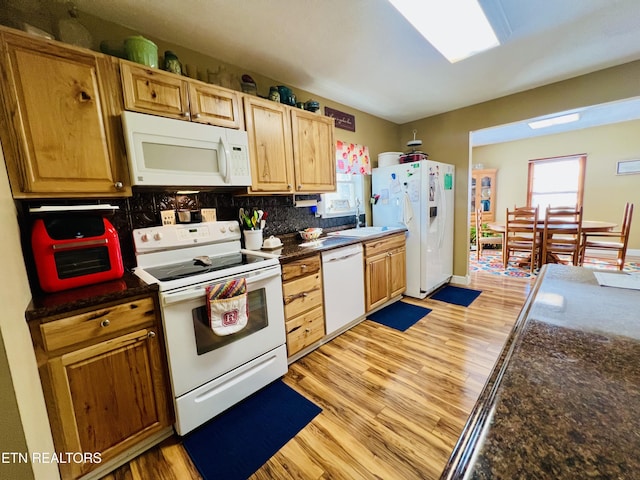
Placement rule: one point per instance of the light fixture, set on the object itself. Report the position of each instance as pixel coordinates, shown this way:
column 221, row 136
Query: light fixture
column 456, row 28
column 549, row 122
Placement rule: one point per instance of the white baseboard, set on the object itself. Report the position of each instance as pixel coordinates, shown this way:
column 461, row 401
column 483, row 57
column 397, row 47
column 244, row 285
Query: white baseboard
column 461, row 280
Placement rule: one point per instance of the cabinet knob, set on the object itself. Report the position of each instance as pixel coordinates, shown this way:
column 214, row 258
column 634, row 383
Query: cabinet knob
column 305, row 294
column 105, row 323
column 118, row 185
column 299, row 187
column 185, row 114
column 303, row 267
column 289, row 187
column 151, row 334
column 197, row 115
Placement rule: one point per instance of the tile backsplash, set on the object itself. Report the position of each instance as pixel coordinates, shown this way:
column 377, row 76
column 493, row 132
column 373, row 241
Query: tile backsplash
column 144, row 207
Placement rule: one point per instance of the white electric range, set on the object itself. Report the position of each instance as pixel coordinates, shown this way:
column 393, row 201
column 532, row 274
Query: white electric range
column 210, row 373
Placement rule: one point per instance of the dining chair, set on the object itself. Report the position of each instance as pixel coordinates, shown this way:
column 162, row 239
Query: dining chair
column 562, row 234
column 521, row 235
column 481, row 239
column 611, row 242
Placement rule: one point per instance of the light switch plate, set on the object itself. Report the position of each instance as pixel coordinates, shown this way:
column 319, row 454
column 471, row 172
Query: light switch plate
column 168, row 217
column 208, row 214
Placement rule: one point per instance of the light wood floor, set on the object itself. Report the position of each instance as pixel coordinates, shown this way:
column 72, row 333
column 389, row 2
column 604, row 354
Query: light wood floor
column 394, row 403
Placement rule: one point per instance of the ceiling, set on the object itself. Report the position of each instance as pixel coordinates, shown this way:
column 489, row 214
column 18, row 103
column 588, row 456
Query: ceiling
column 363, row 54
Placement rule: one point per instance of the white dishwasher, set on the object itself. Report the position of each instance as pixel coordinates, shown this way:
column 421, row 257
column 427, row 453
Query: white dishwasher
column 343, row 282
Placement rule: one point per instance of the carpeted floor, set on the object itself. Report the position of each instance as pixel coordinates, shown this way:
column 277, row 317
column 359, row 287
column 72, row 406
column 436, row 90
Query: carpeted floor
column 491, row 262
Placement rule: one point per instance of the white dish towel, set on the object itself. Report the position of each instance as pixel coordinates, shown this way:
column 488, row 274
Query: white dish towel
column 227, row 306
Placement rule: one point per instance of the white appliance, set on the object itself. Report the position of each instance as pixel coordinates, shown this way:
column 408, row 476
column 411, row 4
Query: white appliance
column 343, row 283
column 419, row 195
column 168, row 152
column 210, row 373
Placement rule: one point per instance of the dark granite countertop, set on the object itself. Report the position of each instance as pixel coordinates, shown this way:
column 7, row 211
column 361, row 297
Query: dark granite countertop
column 293, row 247
column 563, row 401
column 46, row 305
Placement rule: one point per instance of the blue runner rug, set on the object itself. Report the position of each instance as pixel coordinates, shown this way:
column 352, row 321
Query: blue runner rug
column 239, row 441
column 399, row 315
column 456, row 295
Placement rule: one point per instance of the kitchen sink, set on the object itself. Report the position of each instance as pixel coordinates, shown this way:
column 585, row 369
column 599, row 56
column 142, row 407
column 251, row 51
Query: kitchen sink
column 364, row 232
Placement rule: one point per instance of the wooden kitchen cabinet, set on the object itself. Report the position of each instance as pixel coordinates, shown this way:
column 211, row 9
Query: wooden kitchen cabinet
column 314, row 151
column 105, row 382
column 60, row 132
column 149, row 90
column 483, row 193
column 384, row 270
column 291, row 150
column 303, row 303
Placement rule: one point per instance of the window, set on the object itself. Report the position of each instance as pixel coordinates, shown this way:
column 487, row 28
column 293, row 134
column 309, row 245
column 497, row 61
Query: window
column 557, row 181
column 342, row 202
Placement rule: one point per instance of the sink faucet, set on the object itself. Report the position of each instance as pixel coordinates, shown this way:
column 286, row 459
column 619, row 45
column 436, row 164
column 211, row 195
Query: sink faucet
column 357, row 213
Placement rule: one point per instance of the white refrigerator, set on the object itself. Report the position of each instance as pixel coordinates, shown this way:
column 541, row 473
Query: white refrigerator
column 419, row 196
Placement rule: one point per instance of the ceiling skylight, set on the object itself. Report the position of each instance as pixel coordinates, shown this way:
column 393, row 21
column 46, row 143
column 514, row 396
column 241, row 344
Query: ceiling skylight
column 456, row 28
column 548, row 122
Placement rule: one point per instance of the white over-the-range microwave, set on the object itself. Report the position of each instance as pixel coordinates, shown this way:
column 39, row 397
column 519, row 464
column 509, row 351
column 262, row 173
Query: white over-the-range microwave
column 167, row 152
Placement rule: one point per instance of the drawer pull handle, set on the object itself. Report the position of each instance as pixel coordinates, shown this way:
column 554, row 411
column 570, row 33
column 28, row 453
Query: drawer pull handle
column 151, row 334
column 105, row 323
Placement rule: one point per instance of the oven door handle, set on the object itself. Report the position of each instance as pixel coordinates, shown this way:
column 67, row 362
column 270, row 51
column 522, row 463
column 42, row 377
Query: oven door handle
column 198, row 291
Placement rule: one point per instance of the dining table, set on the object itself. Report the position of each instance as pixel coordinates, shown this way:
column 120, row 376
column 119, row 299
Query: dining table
column 588, row 226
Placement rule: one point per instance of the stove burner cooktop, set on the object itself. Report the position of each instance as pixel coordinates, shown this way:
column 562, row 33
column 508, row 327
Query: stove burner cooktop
column 175, row 271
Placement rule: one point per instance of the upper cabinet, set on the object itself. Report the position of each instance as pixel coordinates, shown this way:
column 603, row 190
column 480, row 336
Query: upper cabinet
column 291, row 150
column 149, row 90
column 59, row 120
column 270, row 147
column 314, row 152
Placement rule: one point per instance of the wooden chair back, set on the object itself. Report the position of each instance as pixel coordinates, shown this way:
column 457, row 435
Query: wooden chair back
column 521, row 234
column 613, row 242
column 481, row 239
column 562, row 234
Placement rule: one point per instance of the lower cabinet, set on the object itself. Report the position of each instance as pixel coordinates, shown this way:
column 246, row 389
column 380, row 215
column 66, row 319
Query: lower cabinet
column 384, row 270
column 105, row 381
column 303, row 302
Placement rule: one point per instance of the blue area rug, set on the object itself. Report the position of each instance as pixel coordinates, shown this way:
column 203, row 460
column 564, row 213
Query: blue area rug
column 399, row 315
column 239, row 441
column 456, row 295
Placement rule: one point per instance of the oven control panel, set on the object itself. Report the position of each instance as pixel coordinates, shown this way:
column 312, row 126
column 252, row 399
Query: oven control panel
column 164, row 237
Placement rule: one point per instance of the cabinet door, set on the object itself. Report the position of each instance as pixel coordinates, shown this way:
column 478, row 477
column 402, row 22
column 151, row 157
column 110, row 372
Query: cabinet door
column 215, row 106
column 109, row 396
column 376, row 274
column 314, row 152
column 60, row 133
column 397, row 272
column 149, row 90
column 269, row 129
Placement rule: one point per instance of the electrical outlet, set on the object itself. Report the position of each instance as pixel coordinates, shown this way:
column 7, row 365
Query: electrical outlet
column 168, row 217
column 208, row 214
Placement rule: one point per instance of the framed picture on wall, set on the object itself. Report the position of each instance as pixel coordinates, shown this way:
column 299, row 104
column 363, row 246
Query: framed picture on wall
column 627, row 167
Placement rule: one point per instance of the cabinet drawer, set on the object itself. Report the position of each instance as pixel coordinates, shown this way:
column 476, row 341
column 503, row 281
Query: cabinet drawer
column 304, row 330
column 298, row 268
column 302, row 294
column 382, row 244
column 97, row 324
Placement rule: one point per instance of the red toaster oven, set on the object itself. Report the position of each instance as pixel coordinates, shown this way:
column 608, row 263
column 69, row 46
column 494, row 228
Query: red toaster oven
column 74, row 251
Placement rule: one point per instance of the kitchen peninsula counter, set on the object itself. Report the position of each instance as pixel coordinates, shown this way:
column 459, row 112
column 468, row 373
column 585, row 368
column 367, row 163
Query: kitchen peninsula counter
column 563, row 400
